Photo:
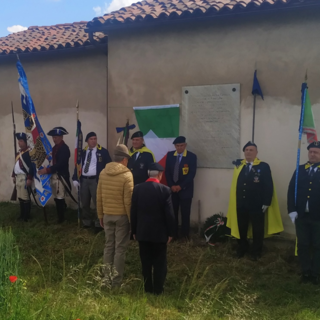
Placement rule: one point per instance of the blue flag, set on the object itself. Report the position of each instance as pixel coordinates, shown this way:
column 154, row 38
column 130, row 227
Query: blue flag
column 256, row 89
column 41, row 150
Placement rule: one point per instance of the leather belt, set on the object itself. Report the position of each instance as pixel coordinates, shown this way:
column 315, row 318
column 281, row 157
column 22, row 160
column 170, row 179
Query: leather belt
column 89, row 177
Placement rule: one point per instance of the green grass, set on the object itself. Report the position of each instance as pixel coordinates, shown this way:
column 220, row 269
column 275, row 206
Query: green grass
column 59, row 271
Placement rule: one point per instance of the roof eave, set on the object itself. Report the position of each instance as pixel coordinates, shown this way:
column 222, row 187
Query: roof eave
column 156, row 22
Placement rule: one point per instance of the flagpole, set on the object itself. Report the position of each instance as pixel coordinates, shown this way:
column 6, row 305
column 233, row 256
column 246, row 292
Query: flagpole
column 304, row 94
column 77, row 107
column 254, row 115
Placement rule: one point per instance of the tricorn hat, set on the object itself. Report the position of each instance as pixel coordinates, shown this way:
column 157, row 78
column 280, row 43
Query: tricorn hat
column 21, row 136
column 57, row 131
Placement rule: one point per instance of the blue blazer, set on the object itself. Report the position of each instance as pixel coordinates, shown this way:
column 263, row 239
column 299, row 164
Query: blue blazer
column 187, row 172
column 103, row 158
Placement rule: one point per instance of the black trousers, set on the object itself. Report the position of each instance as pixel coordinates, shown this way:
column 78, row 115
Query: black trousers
column 153, row 255
column 308, row 234
column 257, row 220
column 185, row 205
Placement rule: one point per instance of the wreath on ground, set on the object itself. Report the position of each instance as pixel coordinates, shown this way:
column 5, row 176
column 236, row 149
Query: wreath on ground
column 215, row 229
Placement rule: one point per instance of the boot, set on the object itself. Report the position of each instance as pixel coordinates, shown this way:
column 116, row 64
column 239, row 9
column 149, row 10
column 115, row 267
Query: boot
column 27, row 209
column 61, row 207
column 21, row 202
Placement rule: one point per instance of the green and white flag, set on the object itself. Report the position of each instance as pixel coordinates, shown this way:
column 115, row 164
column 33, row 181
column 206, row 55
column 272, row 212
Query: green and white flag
column 160, row 126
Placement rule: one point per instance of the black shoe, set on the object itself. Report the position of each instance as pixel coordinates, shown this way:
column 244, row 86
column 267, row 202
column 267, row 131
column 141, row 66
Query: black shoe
column 98, row 229
column 314, row 280
column 305, row 278
column 255, row 257
column 61, row 207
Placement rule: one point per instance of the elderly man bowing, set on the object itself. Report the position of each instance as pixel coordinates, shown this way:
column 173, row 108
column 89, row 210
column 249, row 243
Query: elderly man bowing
column 152, row 224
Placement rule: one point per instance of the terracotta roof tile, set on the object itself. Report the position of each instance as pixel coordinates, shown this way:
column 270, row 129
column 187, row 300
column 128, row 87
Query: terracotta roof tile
column 162, row 9
column 48, row 38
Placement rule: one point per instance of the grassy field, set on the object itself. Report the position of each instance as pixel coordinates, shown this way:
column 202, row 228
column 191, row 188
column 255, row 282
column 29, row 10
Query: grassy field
column 58, row 269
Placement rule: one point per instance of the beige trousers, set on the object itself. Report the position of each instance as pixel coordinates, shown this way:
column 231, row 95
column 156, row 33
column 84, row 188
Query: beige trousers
column 21, row 186
column 58, row 190
column 117, row 230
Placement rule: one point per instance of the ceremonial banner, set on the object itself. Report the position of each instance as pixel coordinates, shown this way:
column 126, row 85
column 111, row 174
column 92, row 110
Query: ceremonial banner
column 256, row 89
column 37, row 140
column 308, row 126
column 78, row 150
column 160, row 126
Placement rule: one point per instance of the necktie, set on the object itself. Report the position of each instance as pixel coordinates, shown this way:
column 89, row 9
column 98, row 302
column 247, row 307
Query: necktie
column 86, row 168
column 311, row 172
column 247, row 170
column 176, row 169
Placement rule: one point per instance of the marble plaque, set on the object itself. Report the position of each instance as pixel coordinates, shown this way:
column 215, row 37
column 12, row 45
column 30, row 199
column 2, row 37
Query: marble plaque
column 210, row 119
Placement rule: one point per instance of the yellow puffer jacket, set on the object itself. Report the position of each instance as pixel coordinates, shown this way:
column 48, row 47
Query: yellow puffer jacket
column 114, row 190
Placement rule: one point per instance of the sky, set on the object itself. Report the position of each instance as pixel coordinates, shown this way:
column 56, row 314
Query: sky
column 17, row 15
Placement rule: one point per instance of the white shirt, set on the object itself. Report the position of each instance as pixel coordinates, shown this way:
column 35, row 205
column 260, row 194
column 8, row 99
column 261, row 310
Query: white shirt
column 314, row 171
column 17, row 169
column 93, row 163
column 180, row 156
column 137, row 155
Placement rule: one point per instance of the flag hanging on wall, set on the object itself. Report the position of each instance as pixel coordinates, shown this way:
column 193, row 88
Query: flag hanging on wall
column 38, row 142
column 308, row 126
column 160, row 126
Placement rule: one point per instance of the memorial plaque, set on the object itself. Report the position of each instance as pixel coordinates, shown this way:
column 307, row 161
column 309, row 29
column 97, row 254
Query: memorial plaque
column 210, row 119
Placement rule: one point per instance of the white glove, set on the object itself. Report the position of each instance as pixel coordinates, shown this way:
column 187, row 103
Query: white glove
column 76, row 184
column 293, row 216
column 264, row 208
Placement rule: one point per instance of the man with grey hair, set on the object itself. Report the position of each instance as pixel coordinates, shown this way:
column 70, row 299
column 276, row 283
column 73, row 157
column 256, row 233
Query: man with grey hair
column 152, row 224
column 113, row 207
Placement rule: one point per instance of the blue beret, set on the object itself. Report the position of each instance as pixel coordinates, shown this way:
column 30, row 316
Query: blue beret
column 179, row 139
column 137, row 134
column 57, row 131
column 249, row 144
column 315, row 144
column 90, row 134
column 155, row 166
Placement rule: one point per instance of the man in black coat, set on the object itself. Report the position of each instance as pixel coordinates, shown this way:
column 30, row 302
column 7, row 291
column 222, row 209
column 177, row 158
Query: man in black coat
column 181, row 167
column 140, row 158
column 304, row 211
column 59, row 170
column 94, row 160
column 253, row 197
column 152, row 224
column 22, row 176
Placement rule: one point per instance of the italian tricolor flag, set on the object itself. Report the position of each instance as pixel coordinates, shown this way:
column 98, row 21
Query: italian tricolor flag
column 160, row 126
column 308, row 125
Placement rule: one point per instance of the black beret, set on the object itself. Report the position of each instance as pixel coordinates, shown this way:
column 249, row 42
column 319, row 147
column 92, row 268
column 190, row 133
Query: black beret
column 179, row 139
column 155, row 166
column 57, row 131
column 315, row 144
column 137, row 134
column 21, row 136
column 249, row 144
column 89, row 135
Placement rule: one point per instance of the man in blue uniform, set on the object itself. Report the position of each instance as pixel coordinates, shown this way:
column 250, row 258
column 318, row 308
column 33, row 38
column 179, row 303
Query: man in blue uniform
column 181, row 167
column 140, row 158
column 59, row 170
column 305, row 213
column 94, row 159
column 22, row 176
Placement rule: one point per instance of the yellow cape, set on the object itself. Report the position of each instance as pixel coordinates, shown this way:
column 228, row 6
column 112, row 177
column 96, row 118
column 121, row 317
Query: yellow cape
column 273, row 221
column 141, row 150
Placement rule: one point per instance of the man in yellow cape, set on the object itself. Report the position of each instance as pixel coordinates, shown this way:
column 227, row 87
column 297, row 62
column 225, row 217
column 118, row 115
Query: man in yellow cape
column 253, row 205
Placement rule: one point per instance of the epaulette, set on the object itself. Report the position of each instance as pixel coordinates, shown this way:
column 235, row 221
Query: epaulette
column 237, row 162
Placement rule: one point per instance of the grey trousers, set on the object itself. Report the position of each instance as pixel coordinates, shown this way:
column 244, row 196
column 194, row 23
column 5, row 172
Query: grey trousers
column 88, row 191
column 117, row 231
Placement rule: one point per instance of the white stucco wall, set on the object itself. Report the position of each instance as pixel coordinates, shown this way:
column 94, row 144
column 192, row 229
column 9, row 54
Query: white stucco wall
column 150, row 66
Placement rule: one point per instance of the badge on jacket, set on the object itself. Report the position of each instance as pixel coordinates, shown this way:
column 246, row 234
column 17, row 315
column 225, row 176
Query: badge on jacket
column 256, row 179
column 141, row 165
column 185, row 169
